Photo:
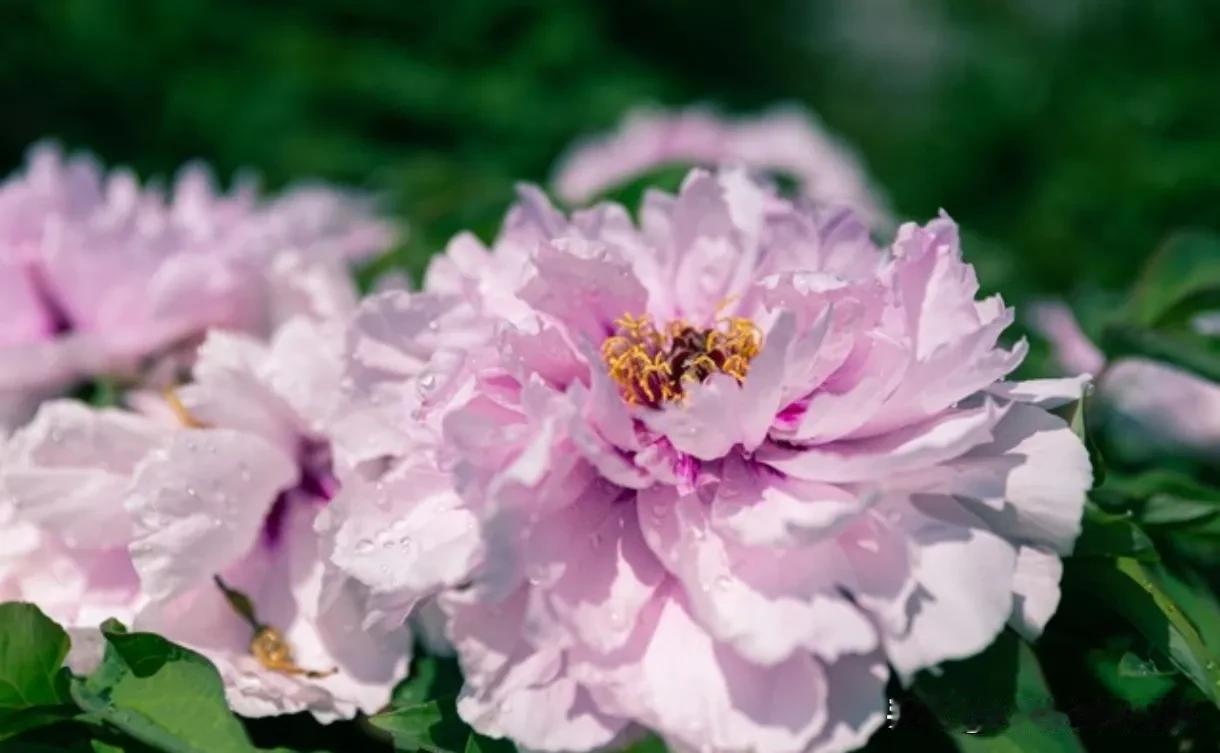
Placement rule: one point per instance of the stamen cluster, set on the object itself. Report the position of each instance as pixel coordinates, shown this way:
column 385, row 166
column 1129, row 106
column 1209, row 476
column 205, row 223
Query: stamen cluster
column 652, row 367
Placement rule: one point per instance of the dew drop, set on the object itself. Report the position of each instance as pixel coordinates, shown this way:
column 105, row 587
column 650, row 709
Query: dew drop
column 893, row 712
column 190, row 492
column 868, row 545
column 723, row 582
column 364, row 546
column 973, row 729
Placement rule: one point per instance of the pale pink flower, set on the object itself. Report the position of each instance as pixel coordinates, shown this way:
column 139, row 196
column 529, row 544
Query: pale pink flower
column 1170, row 406
column 726, row 465
column 228, row 482
column 64, row 549
column 787, row 141
column 98, row 273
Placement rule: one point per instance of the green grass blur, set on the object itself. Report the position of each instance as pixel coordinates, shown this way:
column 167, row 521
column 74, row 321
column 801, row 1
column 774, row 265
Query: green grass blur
column 1067, row 136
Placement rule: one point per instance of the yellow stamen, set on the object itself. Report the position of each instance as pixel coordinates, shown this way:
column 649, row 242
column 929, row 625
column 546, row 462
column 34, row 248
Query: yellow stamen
column 180, row 411
column 651, row 367
column 268, row 646
column 274, row 653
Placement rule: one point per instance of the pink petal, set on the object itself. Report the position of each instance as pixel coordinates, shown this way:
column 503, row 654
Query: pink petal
column 199, row 505
column 700, row 694
column 965, row 576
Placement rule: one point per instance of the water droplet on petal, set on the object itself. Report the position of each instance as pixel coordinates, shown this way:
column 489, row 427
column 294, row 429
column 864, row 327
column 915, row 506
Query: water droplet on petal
column 364, row 546
column 723, row 582
column 190, row 492
column 893, row 713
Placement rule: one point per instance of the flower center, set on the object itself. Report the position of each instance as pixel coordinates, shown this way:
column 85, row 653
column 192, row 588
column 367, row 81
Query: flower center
column 653, row 367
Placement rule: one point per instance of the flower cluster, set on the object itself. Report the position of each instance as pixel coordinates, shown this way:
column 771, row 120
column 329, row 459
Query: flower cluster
column 715, row 471
column 100, row 275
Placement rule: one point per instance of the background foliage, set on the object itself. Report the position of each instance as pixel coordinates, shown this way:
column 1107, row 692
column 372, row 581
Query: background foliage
column 1070, row 138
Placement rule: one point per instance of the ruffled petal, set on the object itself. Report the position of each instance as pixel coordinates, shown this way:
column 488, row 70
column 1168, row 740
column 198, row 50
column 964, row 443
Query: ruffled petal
column 70, row 470
column 700, row 694
column 199, row 503
column 768, row 603
column 1035, row 588
column 965, row 577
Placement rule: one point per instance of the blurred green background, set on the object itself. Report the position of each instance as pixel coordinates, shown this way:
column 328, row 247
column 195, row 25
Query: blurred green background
column 1067, row 136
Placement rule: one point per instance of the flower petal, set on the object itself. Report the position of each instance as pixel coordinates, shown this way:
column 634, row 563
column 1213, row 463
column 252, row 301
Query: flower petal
column 700, row 694
column 199, row 504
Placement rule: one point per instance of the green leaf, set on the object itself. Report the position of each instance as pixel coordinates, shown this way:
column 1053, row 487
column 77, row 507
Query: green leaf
column 74, row 737
column 1184, row 350
column 430, row 678
column 1197, row 600
column 998, row 702
column 432, row 726
column 1180, row 280
column 647, row 744
column 1139, row 682
column 477, row 743
column 32, row 650
column 1161, row 498
column 161, row 694
column 1138, row 593
column 14, row 722
column 1103, row 534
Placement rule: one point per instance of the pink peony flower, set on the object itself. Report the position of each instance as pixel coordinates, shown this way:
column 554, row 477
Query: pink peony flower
column 1171, row 406
column 789, row 141
column 726, row 466
column 216, row 495
column 99, row 274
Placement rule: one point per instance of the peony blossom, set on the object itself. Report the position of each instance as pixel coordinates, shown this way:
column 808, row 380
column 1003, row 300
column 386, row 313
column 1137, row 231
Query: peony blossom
column 100, row 274
column 726, row 468
column 213, row 497
column 788, row 141
column 1171, row 406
